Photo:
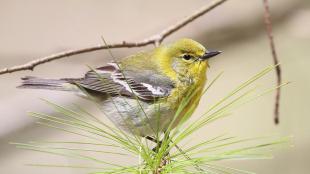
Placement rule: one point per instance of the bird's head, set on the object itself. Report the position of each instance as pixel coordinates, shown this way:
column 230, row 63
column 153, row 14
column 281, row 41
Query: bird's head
column 186, row 57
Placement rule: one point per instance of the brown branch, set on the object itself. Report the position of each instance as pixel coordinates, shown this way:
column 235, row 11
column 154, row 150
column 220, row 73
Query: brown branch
column 268, row 25
column 155, row 39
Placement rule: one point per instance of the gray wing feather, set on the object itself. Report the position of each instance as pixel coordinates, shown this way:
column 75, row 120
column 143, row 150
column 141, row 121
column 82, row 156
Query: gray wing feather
column 147, row 86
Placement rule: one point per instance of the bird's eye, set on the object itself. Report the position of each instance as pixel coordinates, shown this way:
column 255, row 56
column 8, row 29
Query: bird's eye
column 187, row 56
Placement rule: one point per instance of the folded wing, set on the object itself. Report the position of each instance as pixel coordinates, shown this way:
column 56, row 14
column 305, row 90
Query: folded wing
column 147, row 86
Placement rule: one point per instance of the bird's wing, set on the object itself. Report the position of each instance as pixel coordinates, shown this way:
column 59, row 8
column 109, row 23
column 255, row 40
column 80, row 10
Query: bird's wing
column 146, row 85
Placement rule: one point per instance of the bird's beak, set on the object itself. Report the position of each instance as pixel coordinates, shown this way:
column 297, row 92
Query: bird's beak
column 210, row 54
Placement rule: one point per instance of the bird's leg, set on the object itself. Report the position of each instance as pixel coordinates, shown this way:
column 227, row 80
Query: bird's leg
column 159, row 144
column 166, row 157
column 156, row 148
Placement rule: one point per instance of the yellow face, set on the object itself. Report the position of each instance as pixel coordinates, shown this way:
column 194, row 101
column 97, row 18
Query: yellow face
column 188, row 58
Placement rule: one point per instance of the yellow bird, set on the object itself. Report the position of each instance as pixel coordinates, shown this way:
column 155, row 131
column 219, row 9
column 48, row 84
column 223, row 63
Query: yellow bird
column 142, row 93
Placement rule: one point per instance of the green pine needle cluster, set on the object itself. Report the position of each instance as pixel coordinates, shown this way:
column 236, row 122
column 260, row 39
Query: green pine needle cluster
column 165, row 156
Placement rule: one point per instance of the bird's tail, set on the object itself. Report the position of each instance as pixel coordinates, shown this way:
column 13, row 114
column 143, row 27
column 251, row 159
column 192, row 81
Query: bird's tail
column 51, row 84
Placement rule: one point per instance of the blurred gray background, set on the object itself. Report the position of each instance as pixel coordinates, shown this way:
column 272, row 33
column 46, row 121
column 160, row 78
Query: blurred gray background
column 35, row 28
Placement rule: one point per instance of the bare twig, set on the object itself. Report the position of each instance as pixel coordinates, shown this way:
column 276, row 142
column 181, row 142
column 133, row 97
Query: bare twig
column 268, row 25
column 155, row 39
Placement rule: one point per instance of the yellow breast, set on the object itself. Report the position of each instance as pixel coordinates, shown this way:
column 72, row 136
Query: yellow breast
column 185, row 98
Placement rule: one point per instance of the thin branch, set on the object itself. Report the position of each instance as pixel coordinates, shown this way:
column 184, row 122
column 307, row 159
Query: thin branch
column 268, row 25
column 155, row 39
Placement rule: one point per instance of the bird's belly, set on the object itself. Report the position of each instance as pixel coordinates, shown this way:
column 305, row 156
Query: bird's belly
column 137, row 117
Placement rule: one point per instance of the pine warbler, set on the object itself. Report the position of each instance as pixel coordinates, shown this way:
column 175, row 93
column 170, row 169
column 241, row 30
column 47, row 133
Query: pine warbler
column 141, row 93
